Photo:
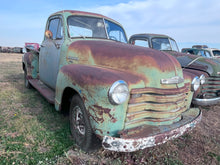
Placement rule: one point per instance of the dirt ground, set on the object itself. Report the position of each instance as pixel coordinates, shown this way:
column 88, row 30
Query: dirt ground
column 200, row 146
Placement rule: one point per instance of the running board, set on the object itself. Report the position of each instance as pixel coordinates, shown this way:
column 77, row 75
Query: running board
column 44, row 90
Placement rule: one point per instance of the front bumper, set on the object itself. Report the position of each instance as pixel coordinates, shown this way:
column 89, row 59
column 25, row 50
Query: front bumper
column 159, row 135
column 204, row 102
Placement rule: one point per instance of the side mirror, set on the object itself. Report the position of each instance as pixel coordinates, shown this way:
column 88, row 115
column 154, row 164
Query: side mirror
column 48, row 34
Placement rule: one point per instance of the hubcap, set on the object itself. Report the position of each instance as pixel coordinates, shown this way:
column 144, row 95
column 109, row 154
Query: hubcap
column 79, row 121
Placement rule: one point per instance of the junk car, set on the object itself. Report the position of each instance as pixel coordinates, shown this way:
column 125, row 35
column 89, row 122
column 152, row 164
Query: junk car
column 127, row 97
column 207, row 69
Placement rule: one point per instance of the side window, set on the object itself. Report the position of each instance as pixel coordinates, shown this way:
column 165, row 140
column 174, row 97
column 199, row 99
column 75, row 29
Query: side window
column 143, row 43
column 189, row 52
column 55, row 26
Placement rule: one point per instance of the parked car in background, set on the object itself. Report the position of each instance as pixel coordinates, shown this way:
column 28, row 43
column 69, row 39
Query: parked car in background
column 205, row 52
column 11, row 49
column 209, row 93
column 6, row 49
column 17, row 50
column 199, row 46
column 31, row 46
column 129, row 97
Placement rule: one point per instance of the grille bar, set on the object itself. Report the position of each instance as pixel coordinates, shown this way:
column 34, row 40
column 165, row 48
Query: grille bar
column 168, row 107
column 156, row 122
column 158, row 98
column 154, row 114
column 161, row 91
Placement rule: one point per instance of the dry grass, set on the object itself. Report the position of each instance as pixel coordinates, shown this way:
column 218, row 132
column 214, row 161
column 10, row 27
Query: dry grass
column 31, row 132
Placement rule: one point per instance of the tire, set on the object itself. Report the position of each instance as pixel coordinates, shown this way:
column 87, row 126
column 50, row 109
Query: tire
column 26, row 82
column 79, row 124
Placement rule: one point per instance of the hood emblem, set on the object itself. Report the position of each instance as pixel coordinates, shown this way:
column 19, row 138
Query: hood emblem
column 172, row 80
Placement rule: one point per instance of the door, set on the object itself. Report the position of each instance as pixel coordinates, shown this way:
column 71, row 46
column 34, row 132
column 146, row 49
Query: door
column 50, row 52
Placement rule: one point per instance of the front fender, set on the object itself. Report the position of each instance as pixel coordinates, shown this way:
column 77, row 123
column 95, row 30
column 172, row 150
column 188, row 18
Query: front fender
column 194, row 73
column 92, row 84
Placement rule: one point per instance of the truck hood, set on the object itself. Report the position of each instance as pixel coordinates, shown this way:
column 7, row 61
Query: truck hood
column 150, row 65
column 210, row 66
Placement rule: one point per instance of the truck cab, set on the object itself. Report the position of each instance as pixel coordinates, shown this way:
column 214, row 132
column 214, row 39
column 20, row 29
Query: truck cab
column 127, row 97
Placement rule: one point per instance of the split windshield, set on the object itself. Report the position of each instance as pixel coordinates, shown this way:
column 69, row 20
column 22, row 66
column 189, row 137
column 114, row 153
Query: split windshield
column 164, row 44
column 92, row 27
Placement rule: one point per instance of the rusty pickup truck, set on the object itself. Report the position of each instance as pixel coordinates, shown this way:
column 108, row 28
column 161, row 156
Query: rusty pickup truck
column 207, row 69
column 128, row 97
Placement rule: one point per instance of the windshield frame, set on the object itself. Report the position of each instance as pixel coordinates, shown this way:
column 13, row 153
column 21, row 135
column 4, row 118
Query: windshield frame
column 105, row 29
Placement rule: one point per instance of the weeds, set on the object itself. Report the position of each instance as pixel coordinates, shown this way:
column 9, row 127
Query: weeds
column 31, row 131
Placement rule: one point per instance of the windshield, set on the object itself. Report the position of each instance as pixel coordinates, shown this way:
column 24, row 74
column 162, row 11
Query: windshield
column 174, row 45
column 115, row 32
column 216, row 53
column 161, row 44
column 164, row 44
column 92, row 27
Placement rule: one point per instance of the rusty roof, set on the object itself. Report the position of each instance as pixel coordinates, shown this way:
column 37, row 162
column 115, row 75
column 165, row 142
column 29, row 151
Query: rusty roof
column 76, row 12
column 151, row 35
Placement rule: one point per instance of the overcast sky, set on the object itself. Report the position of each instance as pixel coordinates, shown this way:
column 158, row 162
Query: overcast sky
column 187, row 21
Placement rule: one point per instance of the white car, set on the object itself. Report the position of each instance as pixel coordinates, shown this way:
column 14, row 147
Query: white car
column 212, row 52
column 205, row 52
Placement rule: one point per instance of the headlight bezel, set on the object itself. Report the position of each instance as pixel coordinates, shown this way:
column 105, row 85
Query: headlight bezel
column 195, row 84
column 113, row 96
column 202, row 79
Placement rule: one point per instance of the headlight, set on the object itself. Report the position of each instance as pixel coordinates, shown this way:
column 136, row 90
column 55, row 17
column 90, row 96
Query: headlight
column 118, row 92
column 202, row 79
column 195, row 83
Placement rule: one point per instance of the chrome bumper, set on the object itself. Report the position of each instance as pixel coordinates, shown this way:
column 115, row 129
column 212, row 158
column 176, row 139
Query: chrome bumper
column 204, row 102
column 134, row 144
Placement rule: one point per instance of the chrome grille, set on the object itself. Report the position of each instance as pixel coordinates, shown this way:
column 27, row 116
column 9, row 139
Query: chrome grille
column 153, row 106
column 211, row 88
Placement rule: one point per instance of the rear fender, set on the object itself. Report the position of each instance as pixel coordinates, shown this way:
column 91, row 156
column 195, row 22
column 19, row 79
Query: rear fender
column 31, row 64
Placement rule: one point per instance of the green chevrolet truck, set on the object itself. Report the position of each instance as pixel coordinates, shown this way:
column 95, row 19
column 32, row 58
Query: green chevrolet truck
column 127, row 97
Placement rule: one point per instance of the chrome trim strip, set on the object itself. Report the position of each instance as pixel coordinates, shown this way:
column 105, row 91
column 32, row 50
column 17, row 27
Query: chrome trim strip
column 172, row 80
column 211, row 101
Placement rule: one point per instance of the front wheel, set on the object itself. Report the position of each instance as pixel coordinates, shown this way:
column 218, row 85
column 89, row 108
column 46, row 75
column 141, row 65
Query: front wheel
column 80, row 125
